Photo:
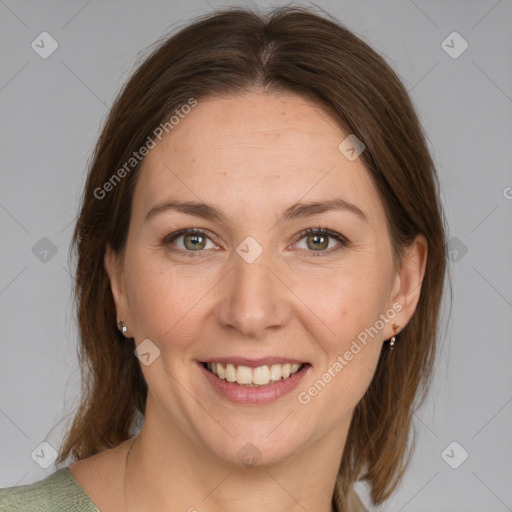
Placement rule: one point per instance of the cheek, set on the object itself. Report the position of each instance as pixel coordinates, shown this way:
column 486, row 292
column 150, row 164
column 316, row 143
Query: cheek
column 350, row 347
column 346, row 300
column 349, row 303
column 164, row 300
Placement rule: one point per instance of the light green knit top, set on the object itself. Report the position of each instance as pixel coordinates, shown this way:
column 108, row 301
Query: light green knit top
column 58, row 492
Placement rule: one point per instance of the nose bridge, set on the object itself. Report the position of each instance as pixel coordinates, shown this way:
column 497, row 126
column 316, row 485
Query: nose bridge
column 254, row 298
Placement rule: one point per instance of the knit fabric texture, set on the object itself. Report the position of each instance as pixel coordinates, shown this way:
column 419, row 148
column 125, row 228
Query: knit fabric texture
column 58, row 492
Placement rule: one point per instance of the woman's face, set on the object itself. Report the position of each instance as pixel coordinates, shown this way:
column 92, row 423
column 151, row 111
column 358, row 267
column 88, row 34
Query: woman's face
column 251, row 289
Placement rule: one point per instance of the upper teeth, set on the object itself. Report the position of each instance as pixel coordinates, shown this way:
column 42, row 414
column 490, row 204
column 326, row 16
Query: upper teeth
column 259, row 376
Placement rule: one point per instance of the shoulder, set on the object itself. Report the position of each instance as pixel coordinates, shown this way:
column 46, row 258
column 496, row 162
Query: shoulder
column 101, row 477
column 58, row 492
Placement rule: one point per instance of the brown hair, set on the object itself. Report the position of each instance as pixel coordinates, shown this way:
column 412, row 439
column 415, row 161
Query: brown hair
column 289, row 50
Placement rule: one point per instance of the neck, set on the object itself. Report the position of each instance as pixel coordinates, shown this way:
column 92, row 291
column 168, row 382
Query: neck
column 173, row 472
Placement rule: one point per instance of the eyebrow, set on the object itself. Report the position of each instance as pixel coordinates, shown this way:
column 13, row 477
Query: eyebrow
column 296, row 211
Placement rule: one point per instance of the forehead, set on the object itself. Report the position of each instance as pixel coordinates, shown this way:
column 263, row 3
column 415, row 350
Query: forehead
column 252, row 150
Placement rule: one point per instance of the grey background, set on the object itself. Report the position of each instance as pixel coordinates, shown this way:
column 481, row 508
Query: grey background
column 51, row 113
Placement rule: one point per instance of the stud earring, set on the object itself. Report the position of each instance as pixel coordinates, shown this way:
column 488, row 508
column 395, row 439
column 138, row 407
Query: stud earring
column 396, row 328
column 122, row 327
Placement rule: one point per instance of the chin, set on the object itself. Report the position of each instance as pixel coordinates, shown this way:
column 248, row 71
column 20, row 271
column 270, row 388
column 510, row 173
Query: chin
column 254, row 447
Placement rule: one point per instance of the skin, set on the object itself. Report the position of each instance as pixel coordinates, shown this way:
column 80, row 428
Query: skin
column 251, row 156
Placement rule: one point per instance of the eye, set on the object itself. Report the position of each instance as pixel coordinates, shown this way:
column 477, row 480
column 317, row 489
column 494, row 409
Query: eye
column 194, row 240
column 317, row 241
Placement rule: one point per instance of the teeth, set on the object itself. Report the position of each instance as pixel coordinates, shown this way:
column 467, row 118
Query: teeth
column 276, row 371
column 230, row 373
column 244, row 375
column 260, row 376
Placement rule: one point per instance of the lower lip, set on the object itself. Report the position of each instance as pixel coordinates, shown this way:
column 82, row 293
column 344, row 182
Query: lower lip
column 255, row 395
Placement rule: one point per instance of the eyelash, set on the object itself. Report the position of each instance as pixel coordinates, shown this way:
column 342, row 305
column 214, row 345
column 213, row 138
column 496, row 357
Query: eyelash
column 344, row 242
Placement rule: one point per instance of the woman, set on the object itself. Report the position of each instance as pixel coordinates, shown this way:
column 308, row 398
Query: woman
column 261, row 257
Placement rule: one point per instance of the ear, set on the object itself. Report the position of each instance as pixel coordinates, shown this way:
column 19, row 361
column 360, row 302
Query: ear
column 114, row 267
column 408, row 281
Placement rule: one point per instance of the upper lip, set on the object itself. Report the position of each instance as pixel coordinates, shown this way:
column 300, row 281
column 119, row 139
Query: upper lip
column 254, row 363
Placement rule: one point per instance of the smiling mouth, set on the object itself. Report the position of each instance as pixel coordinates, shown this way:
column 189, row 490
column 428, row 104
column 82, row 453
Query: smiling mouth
column 254, row 377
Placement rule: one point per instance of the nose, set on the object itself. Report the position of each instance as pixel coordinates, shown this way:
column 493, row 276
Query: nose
column 254, row 298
